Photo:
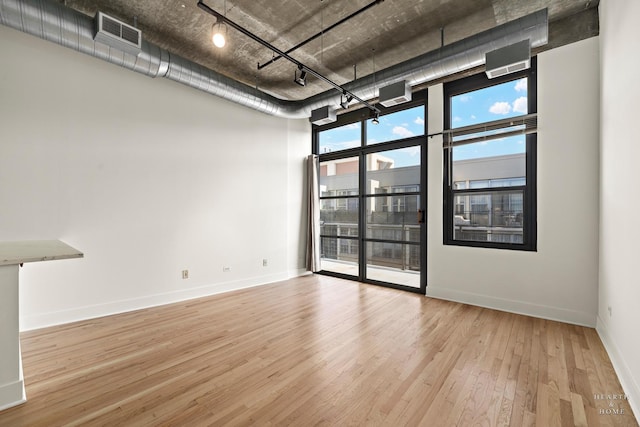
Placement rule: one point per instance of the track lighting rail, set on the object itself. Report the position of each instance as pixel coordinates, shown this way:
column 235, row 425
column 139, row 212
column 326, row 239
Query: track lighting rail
column 329, row 28
column 221, row 18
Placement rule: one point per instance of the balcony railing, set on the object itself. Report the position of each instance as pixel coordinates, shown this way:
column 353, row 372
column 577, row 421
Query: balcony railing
column 394, row 252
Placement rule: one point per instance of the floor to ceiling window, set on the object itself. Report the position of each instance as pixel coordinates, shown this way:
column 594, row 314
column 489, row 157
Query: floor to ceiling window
column 372, row 196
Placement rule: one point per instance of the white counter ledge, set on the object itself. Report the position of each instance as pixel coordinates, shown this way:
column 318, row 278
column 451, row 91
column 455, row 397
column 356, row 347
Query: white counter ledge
column 12, row 255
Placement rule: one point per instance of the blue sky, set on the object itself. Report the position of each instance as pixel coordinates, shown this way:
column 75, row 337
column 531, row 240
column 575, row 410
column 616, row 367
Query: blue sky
column 485, row 105
column 496, row 102
column 400, row 125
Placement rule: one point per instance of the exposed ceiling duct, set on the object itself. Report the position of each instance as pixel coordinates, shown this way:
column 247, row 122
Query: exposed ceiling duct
column 57, row 23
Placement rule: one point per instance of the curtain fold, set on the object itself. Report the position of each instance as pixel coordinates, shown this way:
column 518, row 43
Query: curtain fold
column 313, row 214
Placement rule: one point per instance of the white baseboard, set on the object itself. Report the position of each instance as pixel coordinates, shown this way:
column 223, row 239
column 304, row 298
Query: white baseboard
column 517, row 307
column 37, row 321
column 629, row 384
column 299, row 272
column 12, row 394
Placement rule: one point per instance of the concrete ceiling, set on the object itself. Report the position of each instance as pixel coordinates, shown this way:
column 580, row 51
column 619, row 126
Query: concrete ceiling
column 384, row 35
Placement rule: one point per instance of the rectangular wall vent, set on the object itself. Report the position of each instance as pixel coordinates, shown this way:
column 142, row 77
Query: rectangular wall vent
column 117, row 34
column 508, row 59
column 396, row 93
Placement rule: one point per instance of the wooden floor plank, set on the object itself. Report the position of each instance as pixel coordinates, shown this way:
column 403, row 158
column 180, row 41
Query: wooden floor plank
column 316, row 350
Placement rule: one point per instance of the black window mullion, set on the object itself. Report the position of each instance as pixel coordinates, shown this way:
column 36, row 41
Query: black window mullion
column 530, row 199
column 362, row 230
column 489, row 189
column 339, row 197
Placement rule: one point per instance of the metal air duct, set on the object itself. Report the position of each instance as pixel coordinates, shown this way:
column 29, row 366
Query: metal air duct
column 55, row 22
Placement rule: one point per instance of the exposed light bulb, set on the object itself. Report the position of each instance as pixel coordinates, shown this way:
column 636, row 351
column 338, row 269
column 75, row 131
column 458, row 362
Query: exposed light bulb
column 219, row 31
column 219, row 40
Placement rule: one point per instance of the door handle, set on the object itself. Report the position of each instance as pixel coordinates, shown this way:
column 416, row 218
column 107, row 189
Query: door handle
column 420, row 216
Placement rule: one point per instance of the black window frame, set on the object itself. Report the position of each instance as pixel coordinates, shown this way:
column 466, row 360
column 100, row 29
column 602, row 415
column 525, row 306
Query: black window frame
column 529, row 227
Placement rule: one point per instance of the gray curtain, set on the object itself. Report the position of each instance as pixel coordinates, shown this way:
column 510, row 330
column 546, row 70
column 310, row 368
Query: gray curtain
column 313, row 215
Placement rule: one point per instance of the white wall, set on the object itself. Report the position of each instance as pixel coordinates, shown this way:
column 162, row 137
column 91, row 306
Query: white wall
column 619, row 201
column 559, row 281
column 147, row 177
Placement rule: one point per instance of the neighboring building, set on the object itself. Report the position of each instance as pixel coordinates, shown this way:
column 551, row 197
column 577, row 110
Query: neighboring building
column 494, row 215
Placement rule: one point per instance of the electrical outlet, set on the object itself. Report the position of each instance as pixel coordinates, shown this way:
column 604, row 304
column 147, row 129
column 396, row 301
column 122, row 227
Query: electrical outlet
column 185, row 274
column 226, row 269
column 265, row 262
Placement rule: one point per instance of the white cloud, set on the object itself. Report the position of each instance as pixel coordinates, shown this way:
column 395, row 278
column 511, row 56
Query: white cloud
column 419, row 121
column 457, row 119
column 500, row 108
column 521, row 85
column 353, row 126
column 520, row 105
column 402, row 132
column 473, row 116
column 464, row 98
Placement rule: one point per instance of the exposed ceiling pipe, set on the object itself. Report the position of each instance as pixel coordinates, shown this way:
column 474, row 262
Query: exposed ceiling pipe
column 60, row 24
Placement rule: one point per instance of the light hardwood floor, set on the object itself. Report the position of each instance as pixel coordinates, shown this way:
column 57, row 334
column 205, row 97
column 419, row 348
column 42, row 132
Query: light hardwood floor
column 316, row 351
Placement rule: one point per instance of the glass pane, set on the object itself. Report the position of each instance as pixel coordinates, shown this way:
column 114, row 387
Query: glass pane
column 340, row 138
column 492, row 103
column 402, row 124
column 488, row 164
column 489, row 217
column 394, row 263
column 339, row 217
column 339, row 255
column 393, row 218
column 339, row 177
column 393, row 171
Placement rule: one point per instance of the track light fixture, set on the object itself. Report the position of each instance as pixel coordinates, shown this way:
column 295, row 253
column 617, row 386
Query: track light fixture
column 219, row 30
column 219, row 34
column 344, row 103
column 300, row 79
column 376, row 118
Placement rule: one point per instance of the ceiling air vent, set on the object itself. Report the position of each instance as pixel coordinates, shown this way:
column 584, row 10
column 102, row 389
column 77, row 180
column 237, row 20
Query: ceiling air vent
column 508, row 59
column 117, row 34
column 396, row 93
column 323, row 116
